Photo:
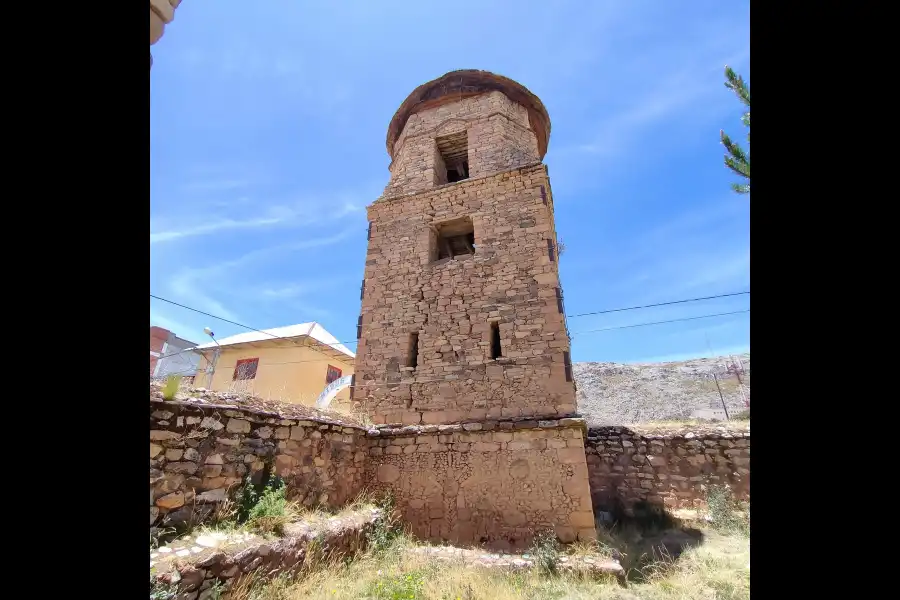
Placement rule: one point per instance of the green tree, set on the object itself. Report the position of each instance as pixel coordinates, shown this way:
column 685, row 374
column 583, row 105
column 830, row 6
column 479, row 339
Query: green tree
column 736, row 159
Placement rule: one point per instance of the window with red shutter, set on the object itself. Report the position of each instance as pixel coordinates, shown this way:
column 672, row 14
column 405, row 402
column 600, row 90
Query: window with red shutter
column 245, row 369
column 332, row 374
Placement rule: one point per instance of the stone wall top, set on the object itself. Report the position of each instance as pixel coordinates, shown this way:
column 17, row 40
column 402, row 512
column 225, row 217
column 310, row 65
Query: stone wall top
column 674, row 431
column 455, row 85
column 518, row 423
column 200, row 400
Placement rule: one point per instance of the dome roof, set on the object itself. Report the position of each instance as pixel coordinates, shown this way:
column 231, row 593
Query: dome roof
column 469, row 82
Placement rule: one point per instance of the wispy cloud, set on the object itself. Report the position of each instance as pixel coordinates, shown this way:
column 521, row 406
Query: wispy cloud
column 203, row 287
column 694, row 91
column 210, row 228
column 301, row 215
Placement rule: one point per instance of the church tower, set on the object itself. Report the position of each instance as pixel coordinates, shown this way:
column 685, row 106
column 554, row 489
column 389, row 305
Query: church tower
column 462, row 314
column 463, row 356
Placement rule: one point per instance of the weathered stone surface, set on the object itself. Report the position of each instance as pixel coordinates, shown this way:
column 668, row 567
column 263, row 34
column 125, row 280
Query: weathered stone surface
column 206, row 461
column 218, row 495
column 188, row 468
column 675, row 472
column 209, row 423
column 216, row 562
column 515, row 491
column 238, row 426
column 388, row 473
column 507, row 282
column 171, row 501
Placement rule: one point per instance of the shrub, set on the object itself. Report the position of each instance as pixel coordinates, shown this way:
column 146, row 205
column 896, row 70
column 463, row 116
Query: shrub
column 170, row 388
column 546, row 552
column 386, row 529
column 726, row 514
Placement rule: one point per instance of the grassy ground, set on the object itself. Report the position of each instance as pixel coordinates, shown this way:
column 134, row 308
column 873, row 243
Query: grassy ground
column 716, row 568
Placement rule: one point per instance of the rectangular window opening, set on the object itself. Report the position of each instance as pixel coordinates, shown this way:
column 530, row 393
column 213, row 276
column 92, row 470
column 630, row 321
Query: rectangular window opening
column 551, row 251
column 568, row 363
column 245, row 369
column 454, row 152
column 412, row 354
column 332, row 374
column 453, row 238
column 496, row 350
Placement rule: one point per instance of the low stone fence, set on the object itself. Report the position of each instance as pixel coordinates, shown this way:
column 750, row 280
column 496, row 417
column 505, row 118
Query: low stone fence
column 201, row 452
column 495, row 482
column 671, row 468
column 205, row 567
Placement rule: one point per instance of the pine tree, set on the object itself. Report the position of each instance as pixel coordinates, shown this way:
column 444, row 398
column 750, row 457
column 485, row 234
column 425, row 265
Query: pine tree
column 736, row 159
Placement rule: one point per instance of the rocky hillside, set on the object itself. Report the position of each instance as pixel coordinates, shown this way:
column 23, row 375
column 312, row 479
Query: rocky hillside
column 621, row 394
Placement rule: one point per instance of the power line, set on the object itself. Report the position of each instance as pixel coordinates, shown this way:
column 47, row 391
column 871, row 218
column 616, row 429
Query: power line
column 332, row 346
column 612, row 310
column 214, row 316
column 599, row 312
column 573, row 334
column 291, row 362
column 734, row 312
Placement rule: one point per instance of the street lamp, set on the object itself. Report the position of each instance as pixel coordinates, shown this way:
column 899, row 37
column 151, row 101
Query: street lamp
column 212, row 366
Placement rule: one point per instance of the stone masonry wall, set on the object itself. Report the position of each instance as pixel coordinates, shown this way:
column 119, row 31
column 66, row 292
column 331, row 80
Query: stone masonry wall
column 671, row 469
column 511, row 279
column 499, row 139
column 200, row 453
column 208, row 573
column 495, row 483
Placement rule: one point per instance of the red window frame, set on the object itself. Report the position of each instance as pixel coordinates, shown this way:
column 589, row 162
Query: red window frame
column 248, row 372
column 332, row 374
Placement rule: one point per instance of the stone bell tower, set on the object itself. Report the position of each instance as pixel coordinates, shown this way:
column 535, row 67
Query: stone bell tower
column 463, row 356
column 462, row 314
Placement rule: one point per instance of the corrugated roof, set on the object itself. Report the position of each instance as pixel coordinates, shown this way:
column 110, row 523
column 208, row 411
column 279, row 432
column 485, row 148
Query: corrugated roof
column 312, row 330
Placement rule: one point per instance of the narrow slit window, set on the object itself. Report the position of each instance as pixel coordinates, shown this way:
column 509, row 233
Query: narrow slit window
column 412, row 359
column 568, row 363
column 551, row 251
column 352, row 386
column 496, row 350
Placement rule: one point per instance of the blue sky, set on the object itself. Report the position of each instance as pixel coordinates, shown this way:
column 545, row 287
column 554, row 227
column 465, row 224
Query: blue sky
column 267, row 142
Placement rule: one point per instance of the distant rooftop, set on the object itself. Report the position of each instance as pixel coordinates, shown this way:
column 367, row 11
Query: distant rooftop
column 312, row 330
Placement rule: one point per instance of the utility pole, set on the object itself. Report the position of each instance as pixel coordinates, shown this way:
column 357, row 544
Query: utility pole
column 716, row 379
column 736, row 368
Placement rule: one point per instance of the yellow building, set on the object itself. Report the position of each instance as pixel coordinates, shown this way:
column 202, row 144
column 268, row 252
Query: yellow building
column 291, row 364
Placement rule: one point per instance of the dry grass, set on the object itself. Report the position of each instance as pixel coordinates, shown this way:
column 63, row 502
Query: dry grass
column 717, row 570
